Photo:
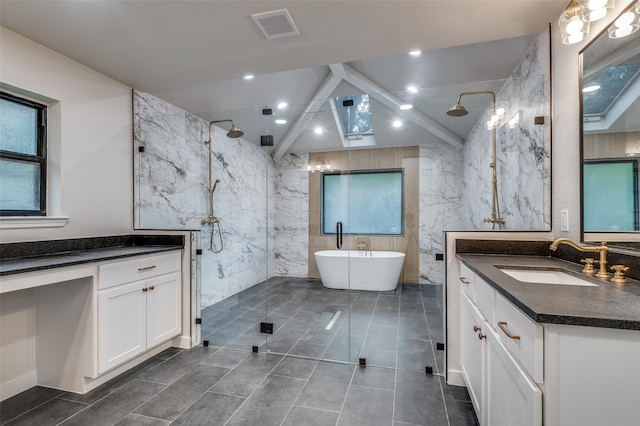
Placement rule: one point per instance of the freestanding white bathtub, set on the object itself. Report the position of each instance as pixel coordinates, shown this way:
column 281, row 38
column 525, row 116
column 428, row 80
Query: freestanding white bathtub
column 351, row 269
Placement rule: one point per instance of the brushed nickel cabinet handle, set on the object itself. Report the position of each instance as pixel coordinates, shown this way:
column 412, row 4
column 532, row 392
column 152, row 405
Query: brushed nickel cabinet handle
column 503, row 327
column 146, row 268
column 464, row 280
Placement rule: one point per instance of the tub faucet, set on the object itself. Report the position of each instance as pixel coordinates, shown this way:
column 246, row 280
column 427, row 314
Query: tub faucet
column 364, row 245
column 602, row 249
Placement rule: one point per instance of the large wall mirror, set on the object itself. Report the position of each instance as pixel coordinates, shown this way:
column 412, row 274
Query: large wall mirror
column 610, row 96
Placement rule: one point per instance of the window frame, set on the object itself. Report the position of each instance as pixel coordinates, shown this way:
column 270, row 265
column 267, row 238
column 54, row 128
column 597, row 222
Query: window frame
column 399, row 170
column 40, row 158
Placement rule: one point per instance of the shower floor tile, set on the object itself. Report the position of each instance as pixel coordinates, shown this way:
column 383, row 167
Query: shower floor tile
column 226, row 383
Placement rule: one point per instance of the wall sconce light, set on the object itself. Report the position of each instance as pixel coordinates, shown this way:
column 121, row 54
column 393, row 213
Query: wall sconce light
column 572, row 27
column 626, row 24
column 319, row 166
column 594, row 10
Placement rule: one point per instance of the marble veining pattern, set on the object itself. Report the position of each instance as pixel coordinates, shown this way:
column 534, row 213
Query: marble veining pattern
column 291, row 216
column 440, row 205
column 523, row 150
column 172, row 182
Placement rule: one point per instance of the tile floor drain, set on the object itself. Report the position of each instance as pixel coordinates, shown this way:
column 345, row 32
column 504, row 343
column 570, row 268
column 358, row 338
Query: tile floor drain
column 334, row 318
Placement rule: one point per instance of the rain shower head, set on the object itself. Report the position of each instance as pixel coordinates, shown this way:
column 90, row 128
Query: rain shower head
column 457, row 111
column 233, row 133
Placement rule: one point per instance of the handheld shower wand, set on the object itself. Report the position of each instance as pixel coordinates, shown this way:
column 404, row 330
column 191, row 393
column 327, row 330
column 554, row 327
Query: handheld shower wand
column 212, row 220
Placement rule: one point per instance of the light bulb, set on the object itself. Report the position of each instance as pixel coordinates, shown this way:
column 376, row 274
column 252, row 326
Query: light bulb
column 416, row 52
column 406, row 106
column 597, row 14
column 318, row 130
column 625, row 31
column 397, row 123
column 574, row 25
column 412, row 89
column 575, row 38
column 625, row 19
column 500, row 112
column 280, row 121
column 596, row 4
column 282, row 105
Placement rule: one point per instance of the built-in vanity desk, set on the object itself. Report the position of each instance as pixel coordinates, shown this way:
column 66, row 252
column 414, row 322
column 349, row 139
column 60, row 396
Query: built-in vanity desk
column 85, row 307
column 550, row 354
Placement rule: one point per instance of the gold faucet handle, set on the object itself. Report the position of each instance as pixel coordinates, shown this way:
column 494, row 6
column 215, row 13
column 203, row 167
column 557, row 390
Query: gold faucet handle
column 618, row 276
column 588, row 268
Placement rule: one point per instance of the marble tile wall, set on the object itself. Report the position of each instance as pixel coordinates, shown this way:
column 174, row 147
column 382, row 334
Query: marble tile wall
column 171, row 193
column 523, row 152
column 440, row 205
column 291, row 227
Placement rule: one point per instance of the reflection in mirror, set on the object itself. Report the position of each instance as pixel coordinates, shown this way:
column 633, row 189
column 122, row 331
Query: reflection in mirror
column 610, row 93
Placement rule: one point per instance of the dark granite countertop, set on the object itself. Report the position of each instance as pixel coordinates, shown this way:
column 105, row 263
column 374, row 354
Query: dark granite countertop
column 606, row 305
column 16, row 258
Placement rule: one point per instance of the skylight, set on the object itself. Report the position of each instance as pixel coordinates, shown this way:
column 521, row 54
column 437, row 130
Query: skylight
column 613, row 84
column 356, row 119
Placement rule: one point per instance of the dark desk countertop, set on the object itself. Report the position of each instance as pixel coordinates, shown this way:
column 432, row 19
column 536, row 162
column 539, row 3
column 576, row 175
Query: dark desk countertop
column 17, row 258
column 606, row 305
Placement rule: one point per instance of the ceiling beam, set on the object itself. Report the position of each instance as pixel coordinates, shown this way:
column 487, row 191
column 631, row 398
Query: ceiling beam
column 379, row 93
column 313, row 106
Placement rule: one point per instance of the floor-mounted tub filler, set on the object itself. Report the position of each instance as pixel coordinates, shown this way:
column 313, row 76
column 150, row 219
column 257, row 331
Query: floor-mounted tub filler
column 355, row 270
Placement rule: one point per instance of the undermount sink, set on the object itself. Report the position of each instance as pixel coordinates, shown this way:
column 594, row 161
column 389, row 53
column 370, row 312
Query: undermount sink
column 545, row 276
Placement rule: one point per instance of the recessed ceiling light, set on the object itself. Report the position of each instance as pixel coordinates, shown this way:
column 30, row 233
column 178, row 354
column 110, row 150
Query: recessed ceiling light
column 590, row 88
column 280, row 121
column 318, row 130
column 248, row 77
column 406, row 106
column 416, row 52
column 282, row 105
column 412, row 89
column 397, row 123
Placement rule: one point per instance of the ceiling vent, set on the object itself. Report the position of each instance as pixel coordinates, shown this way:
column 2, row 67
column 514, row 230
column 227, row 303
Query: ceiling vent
column 276, row 24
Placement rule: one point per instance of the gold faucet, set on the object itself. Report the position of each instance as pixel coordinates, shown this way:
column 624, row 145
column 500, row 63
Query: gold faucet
column 364, row 245
column 602, row 249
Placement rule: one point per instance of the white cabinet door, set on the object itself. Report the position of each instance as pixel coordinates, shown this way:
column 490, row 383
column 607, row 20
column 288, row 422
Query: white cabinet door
column 472, row 352
column 163, row 309
column 122, row 318
column 513, row 399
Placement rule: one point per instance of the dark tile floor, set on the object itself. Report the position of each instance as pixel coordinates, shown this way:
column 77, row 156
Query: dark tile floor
column 290, row 381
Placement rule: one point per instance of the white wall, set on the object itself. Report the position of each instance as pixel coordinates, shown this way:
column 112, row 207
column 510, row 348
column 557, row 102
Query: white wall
column 565, row 170
column 90, row 140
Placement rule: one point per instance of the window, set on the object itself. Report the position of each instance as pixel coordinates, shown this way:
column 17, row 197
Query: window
column 366, row 202
column 22, row 157
column 611, row 195
column 355, row 114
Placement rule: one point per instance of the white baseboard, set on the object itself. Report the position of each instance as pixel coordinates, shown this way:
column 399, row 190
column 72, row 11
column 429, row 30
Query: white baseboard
column 17, row 385
column 455, row 378
column 183, row 342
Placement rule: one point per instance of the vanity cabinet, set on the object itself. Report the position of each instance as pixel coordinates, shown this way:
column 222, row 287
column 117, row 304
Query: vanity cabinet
column 136, row 314
column 473, row 353
column 500, row 354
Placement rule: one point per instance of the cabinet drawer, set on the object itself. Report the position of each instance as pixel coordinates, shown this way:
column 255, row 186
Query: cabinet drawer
column 522, row 337
column 484, row 299
column 467, row 281
column 137, row 268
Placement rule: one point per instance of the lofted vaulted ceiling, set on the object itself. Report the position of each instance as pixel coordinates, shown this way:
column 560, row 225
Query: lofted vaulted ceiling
column 193, row 54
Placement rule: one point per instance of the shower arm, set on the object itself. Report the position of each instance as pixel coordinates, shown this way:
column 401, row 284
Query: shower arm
column 495, row 218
